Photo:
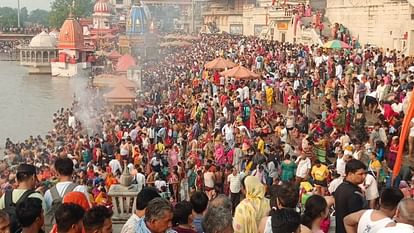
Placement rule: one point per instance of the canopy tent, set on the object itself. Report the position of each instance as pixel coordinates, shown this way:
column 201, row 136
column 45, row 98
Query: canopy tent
column 219, row 64
column 120, row 95
column 123, row 81
column 241, row 73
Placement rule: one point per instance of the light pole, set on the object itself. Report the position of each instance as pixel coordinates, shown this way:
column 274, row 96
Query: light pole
column 18, row 13
column 192, row 16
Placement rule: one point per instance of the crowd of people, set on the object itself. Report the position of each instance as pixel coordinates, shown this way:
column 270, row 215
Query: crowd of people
column 307, row 147
column 32, row 29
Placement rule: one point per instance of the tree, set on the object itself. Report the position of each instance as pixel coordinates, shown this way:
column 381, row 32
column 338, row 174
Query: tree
column 39, row 16
column 24, row 14
column 60, row 10
column 8, row 17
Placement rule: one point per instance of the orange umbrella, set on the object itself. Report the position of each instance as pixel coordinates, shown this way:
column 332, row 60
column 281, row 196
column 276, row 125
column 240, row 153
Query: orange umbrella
column 240, row 72
column 219, row 64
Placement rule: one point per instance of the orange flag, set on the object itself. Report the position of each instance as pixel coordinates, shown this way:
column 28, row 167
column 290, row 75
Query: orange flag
column 403, row 136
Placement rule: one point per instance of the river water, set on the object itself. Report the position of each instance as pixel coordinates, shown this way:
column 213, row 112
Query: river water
column 27, row 102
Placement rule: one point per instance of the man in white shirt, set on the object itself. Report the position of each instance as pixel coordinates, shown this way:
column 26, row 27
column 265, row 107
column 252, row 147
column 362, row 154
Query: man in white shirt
column 64, row 169
column 246, row 92
column 371, row 221
column 338, row 71
column 140, row 178
column 404, row 218
column 296, row 85
column 228, row 132
column 381, row 90
column 115, row 166
column 334, row 184
column 143, row 198
column 71, row 121
column 397, row 107
column 302, row 171
column 240, row 93
column 318, row 60
column 341, row 163
column 371, row 190
column 156, row 163
column 234, row 180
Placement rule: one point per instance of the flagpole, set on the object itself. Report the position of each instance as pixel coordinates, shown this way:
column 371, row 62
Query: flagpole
column 18, row 13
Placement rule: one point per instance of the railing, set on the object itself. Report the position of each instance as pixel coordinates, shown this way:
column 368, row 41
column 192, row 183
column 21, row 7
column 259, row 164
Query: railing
column 124, row 200
column 9, row 56
column 223, row 12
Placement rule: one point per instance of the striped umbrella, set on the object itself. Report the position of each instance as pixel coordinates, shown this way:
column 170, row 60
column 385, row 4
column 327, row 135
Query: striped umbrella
column 336, row 44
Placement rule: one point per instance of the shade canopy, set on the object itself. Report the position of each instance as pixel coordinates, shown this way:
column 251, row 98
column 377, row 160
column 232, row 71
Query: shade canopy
column 336, row 44
column 123, row 81
column 114, row 55
column 219, row 63
column 119, row 92
column 240, row 72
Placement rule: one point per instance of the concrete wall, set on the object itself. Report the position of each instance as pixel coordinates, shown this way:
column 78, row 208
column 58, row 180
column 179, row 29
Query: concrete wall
column 379, row 22
column 62, row 69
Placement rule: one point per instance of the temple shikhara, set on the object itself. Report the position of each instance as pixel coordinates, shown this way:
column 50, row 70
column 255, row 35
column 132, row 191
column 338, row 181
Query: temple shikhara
column 72, row 57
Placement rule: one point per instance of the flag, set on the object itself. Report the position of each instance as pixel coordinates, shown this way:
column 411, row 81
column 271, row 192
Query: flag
column 403, row 136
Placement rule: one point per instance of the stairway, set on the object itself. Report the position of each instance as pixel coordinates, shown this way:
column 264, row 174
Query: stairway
column 314, row 33
column 265, row 33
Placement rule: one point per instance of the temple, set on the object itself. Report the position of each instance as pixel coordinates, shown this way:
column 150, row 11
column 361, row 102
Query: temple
column 139, row 39
column 73, row 58
column 39, row 53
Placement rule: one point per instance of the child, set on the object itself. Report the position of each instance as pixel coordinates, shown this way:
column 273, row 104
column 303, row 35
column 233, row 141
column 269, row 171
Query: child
column 4, row 221
column 199, row 181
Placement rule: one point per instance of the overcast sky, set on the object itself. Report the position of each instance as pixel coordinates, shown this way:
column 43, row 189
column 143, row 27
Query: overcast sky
column 30, row 4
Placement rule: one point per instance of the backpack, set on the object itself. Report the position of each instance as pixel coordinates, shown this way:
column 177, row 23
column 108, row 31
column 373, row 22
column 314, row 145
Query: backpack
column 10, row 207
column 56, row 202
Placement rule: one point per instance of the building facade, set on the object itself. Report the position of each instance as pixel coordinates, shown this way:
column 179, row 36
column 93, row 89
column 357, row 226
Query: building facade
column 101, row 15
column 384, row 23
column 250, row 18
column 72, row 59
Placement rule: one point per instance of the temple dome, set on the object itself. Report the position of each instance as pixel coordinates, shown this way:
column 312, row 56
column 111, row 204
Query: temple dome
column 54, row 33
column 71, row 35
column 101, row 6
column 43, row 40
column 137, row 21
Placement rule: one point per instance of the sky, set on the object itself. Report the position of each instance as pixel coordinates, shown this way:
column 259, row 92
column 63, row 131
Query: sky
column 30, row 4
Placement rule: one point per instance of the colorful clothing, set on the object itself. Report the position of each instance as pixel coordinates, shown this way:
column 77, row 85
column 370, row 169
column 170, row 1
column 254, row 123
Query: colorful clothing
column 252, row 209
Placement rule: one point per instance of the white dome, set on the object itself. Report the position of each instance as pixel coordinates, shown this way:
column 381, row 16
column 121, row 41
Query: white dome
column 101, row 7
column 43, row 40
